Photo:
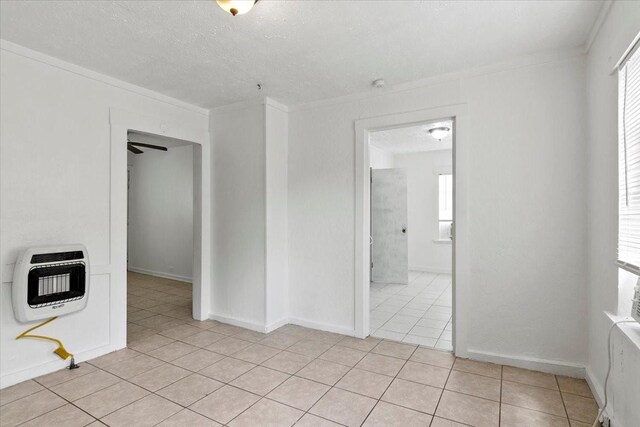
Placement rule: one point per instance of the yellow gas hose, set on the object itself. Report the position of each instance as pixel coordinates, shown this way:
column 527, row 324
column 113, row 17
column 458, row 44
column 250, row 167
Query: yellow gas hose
column 60, row 351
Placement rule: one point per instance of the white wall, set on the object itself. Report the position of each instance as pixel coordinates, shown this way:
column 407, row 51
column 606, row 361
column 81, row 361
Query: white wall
column 55, row 188
column 380, row 159
column 239, row 235
column 605, row 291
column 160, row 229
column 250, row 214
column 425, row 252
column 527, row 238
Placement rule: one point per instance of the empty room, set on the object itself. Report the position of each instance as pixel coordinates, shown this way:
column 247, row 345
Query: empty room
column 320, row 213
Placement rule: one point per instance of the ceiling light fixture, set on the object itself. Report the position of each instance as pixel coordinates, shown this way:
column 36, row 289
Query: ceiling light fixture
column 439, row 132
column 236, row 7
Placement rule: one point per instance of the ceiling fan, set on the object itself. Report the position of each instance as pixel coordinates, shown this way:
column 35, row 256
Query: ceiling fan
column 132, row 146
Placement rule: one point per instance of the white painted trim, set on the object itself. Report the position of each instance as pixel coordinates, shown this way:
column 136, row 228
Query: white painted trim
column 243, row 105
column 597, row 24
column 93, row 75
column 162, row 274
column 275, row 325
column 460, row 269
column 122, row 121
column 322, row 326
column 247, row 324
column 55, row 365
column 430, row 269
column 594, row 385
column 514, row 63
column 556, row 367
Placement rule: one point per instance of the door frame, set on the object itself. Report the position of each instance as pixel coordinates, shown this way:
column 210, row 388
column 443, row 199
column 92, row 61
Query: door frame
column 460, row 262
column 122, row 121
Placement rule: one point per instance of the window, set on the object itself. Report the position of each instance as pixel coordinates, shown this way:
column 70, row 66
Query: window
column 445, row 206
column 629, row 162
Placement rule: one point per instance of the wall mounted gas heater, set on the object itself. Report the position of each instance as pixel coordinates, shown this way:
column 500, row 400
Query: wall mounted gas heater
column 50, row 282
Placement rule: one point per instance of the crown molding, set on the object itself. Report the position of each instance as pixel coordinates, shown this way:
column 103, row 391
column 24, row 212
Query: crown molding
column 17, row 49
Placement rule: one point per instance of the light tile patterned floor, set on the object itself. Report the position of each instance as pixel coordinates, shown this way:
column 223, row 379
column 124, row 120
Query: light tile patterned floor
column 417, row 313
column 179, row 372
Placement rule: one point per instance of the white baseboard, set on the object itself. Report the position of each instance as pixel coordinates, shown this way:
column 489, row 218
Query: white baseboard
column 322, row 326
column 556, row 367
column 161, row 274
column 12, row 378
column 247, row 324
column 596, row 388
column 275, row 325
column 430, row 270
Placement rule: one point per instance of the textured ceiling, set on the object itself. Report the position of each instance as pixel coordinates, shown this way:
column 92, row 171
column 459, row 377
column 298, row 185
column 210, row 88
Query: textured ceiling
column 299, row 50
column 411, row 139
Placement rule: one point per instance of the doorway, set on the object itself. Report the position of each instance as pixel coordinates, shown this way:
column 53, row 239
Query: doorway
column 411, row 197
column 160, row 234
column 460, row 307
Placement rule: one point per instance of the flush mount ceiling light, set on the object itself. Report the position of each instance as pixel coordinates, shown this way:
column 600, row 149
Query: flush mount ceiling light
column 439, row 132
column 236, row 7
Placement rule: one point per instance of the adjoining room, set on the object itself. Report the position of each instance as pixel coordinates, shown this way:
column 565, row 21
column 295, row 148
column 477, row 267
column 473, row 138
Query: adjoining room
column 412, row 233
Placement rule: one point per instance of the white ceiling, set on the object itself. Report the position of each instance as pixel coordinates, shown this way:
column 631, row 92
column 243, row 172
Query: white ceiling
column 299, row 50
column 411, row 139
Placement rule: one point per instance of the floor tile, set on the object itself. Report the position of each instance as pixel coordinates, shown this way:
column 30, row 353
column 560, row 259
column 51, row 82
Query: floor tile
column 287, row 362
column 513, row 416
column 228, row 346
column 343, row 407
column 203, row 338
column 111, row 399
column 190, row 389
column 29, row 407
column 251, row 336
column 574, row 386
column 525, row 376
column 480, row 368
column 299, row 393
column 64, row 375
column 468, row 409
column 188, row 418
column 147, row 411
column 311, row 348
column 364, row 382
column 433, row 357
column 227, row 369
column 531, row 397
column 85, row 385
column 414, row 339
column 225, row 404
column 115, row 357
column 426, row 332
column 366, row 344
column 279, row 340
column 134, row 366
column 424, row 374
column 198, row 360
column 441, row 422
column 580, row 408
column 256, row 353
column 180, row 332
column 323, row 371
column 380, row 364
column 388, row 415
column 172, row 351
column 260, row 380
column 67, row 416
column 389, row 335
column 412, row 395
column 150, row 343
column 159, row 377
column 343, row 355
column 310, row 420
column 267, row 413
column 475, row 385
column 15, row 392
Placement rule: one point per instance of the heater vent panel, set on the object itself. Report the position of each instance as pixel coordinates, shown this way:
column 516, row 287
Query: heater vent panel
column 56, row 257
